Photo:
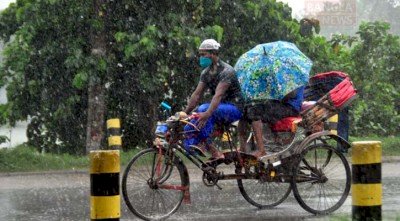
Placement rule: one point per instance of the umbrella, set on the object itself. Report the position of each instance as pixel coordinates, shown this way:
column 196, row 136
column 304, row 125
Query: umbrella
column 272, row 70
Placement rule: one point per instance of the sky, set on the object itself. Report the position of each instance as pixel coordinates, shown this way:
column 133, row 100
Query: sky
column 296, row 5
column 301, row 8
column 4, row 3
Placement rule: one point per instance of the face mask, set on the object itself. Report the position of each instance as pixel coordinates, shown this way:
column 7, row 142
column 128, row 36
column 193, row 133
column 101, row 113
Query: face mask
column 205, row 62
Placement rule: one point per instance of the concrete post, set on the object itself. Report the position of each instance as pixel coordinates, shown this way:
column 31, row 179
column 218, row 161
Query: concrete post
column 114, row 134
column 104, row 185
column 367, row 180
column 333, row 124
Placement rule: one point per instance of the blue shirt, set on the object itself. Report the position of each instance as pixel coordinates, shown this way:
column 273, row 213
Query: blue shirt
column 296, row 101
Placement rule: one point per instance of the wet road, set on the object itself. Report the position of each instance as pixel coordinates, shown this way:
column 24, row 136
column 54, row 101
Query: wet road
column 65, row 196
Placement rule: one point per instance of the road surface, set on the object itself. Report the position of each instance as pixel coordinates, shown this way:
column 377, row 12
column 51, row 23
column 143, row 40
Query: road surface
column 65, row 196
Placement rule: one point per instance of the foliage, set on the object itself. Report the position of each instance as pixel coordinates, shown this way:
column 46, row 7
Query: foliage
column 24, row 158
column 375, row 72
column 371, row 60
column 15, row 159
column 390, row 145
column 151, row 57
column 3, row 139
column 351, row 13
column 40, row 63
column 308, row 25
column 378, row 10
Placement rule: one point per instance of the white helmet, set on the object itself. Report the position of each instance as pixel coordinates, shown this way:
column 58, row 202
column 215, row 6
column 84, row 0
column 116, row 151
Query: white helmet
column 209, row 44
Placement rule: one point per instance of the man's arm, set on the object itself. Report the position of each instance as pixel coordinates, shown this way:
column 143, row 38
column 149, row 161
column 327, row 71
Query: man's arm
column 195, row 97
column 219, row 93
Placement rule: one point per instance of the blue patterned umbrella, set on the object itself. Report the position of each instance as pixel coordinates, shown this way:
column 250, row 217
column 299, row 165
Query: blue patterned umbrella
column 272, row 70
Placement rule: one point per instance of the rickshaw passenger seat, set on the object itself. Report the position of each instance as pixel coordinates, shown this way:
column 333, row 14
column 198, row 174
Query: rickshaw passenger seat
column 307, row 104
column 286, row 124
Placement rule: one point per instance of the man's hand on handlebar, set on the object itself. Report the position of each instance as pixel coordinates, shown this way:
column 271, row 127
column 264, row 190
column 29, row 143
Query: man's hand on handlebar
column 178, row 116
column 203, row 117
column 181, row 115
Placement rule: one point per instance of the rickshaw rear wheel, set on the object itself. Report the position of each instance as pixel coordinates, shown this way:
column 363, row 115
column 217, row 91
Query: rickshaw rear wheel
column 264, row 194
column 321, row 179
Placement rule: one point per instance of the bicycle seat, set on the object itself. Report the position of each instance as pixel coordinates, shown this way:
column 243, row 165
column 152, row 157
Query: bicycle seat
column 286, row 124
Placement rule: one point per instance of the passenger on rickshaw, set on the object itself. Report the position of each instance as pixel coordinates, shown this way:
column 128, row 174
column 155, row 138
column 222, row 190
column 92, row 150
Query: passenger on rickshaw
column 225, row 106
column 272, row 77
column 270, row 112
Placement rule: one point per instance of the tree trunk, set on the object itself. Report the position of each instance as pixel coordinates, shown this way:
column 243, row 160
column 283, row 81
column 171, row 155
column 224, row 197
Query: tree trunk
column 96, row 111
column 96, row 90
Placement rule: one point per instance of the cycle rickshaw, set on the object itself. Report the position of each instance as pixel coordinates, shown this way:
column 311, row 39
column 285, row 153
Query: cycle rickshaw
column 303, row 158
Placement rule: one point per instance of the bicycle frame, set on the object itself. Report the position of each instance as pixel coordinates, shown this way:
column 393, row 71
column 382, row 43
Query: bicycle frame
column 303, row 158
column 241, row 160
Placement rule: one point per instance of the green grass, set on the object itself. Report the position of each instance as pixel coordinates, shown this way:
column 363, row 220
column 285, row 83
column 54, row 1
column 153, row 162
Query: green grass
column 125, row 157
column 27, row 159
column 23, row 158
column 390, row 145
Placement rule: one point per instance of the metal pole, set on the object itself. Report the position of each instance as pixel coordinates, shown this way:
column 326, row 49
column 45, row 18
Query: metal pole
column 367, row 180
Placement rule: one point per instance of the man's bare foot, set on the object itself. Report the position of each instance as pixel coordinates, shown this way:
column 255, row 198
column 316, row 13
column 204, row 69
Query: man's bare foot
column 258, row 154
column 215, row 153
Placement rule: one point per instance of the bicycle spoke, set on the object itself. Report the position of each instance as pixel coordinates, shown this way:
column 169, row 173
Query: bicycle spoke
column 323, row 187
column 152, row 189
column 264, row 194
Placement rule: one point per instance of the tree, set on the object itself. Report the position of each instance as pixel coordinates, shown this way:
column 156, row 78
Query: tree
column 371, row 59
column 375, row 72
column 96, row 88
column 378, row 10
column 46, row 50
column 345, row 16
column 171, row 50
column 307, row 25
column 50, row 66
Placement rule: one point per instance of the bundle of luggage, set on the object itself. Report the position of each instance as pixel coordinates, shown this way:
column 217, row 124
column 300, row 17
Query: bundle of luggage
column 325, row 95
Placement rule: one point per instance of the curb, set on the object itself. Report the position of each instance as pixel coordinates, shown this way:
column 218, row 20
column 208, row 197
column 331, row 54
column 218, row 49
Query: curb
column 52, row 172
column 391, row 159
column 386, row 159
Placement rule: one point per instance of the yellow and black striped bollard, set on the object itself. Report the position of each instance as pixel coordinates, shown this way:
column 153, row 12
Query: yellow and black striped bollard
column 333, row 124
column 104, row 185
column 114, row 135
column 367, row 180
